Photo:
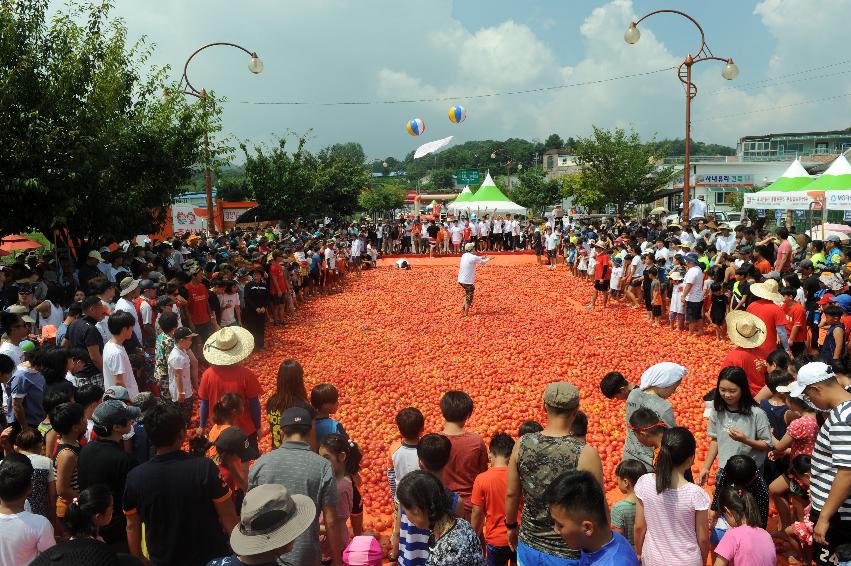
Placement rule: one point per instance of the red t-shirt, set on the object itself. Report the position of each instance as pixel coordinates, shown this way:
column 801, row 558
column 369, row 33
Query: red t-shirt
column 489, row 495
column 198, row 307
column 218, row 380
column 276, row 272
column 747, row 359
column 602, row 263
column 796, row 316
column 468, row 459
column 773, row 316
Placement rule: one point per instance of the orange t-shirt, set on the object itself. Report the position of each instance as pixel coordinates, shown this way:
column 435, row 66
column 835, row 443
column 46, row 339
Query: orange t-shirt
column 489, row 495
column 764, row 266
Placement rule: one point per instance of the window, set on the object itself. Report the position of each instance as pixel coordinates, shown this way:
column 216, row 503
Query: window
column 564, row 161
column 794, row 148
column 724, row 197
column 757, row 147
column 821, row 148
column 550, row 162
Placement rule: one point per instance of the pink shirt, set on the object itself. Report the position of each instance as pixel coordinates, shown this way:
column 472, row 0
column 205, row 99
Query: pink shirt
column 670, row 515
column 345, row 494
column 747, row 546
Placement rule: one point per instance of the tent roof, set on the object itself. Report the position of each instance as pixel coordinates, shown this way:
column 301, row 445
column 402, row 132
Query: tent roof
column 465, row 195
column 794, row 178
column 489, row 192
column 836, row 178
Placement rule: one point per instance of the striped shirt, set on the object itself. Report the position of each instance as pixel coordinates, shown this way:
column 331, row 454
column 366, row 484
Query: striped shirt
column 832, row 451
column 413, row 541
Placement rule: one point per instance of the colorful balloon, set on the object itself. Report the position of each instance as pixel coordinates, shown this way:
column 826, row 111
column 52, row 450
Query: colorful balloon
column 415, row 127
column 457, row 114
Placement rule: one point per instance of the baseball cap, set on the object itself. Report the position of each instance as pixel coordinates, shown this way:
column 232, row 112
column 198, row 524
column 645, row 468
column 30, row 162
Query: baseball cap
column 145, row 284
column 826, row 299
column 295, row 416
column 844, row 302
column 691, row 258
column 232, row 439
column 810, row 374
column 561, row 395
column 833, row 238
column 116, row 392
column 806, row 264
column 183, row 332
column 112, row 412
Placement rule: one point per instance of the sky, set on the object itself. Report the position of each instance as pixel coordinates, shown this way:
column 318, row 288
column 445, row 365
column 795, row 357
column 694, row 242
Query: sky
column 795, row 74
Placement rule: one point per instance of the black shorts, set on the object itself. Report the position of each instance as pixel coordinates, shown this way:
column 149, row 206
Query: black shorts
column 657, row 310
column 717, row 316
column 838, row 533
column 601, row 286
column 635, row 283
column 694, row 311
column 551, row 253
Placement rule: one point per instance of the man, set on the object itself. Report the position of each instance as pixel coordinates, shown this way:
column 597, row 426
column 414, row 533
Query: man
column 15, row 330
column 294, row 466
column 104, row 461
column 661, row 251
column 182, row 500
column 766, row 307
column 128, row 293
column 693, row 294
column 117, row 369
column 830, row 479
column 467, row 273
column 83, row 334
column 696, row 208
column 201, row 315
column 602, row 274
column 456, row 233
column 551, row 243
column 724, row 241
column 783, row 260
column 537, row 460
column 832, row 250
column 89, row 271
column 146, row 311
column 225, row 350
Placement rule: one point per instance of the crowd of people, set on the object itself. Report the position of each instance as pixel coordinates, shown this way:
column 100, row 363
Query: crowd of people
column 132, row 424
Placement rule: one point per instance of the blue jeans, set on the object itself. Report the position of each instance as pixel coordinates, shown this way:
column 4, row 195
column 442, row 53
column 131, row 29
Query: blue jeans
column 528, row 556
column 500, row 555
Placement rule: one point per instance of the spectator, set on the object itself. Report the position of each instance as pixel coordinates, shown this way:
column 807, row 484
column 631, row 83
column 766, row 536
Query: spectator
column 469, row 456
column 488, row 499
column 117, row 369
column 83, row 334
column 290, row 392
column 23, row 535
column 25, row 391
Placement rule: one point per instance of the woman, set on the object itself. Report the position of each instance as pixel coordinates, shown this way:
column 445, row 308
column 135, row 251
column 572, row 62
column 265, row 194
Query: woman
column 290, row 392
column 426, row 503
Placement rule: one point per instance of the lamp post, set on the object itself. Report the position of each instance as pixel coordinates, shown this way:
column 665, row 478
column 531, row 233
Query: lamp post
column 508, row 166
column 255, row 65
column 729, row 72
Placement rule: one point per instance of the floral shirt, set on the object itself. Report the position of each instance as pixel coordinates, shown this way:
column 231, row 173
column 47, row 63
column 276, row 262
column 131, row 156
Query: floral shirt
column 459, row 546
column 803, row 431
column 165, row 344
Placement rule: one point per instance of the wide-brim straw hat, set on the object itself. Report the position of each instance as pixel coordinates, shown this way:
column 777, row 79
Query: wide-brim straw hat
column 745, row 329
column 228, row 346
column 768, row 289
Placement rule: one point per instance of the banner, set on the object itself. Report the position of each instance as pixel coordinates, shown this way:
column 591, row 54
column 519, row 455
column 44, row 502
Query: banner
column 231, row 214
column 838, row 200
column 184, row 219
column 778, row 200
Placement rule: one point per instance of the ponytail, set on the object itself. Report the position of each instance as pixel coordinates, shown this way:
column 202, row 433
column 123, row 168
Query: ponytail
column 80, row 514
column 741, row 504
column 678, row 445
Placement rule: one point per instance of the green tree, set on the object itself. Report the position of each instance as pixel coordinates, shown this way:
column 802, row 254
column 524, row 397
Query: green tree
column 442, row 180
column 232, row 188
column 554, row 141
column 616, row 169
column 87, row 143
column 382, row 198
column 534, row 191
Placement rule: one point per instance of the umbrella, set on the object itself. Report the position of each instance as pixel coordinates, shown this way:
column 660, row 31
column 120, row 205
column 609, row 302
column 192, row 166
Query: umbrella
column 659, row 210
column 431, row 147
column 816, row 234
column 14, row 242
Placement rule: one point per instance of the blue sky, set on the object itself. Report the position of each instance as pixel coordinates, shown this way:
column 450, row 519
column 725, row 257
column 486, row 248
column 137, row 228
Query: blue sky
column 336, row 50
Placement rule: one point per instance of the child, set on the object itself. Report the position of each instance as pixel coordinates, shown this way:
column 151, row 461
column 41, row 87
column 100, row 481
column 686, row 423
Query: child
column 231, row 314
column 677, row 311
column 528, row 427
column 226, row 413
column 335, row 448
column 469, row 455
column 578, row 509
column 53, row 397
column 617, row 276
column 488, row 499
column 796, row 321
column 325, row 399
column 718, row 310
column 672, row 515
column 800, row 438
column 742, row 471
column 23, row 535
column 802, row 531
column 655, row 296
column 180, row 374
column 736, row 425
column 89, row 512
column 69, row 420
column 42, row 497
column 364, row 550
column 403, row 453
column 775, row 408
column 623, row 512
column 579, row 427
column 648, row 429
column 89, row 397
column 745, row 542
column 233, row 451
column 832, row 347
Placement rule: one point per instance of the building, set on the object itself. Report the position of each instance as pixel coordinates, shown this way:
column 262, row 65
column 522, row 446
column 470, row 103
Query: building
column 812, row 147
column 558, row 162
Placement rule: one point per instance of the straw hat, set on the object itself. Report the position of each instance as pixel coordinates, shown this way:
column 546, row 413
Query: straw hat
column 128, row 285
column 228, row 346
column 767, row 290
column 745, row 329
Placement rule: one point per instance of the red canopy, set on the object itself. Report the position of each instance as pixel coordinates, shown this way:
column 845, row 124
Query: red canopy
column 14, row 242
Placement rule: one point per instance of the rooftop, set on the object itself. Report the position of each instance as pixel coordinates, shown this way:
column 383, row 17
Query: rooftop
column 846, row 132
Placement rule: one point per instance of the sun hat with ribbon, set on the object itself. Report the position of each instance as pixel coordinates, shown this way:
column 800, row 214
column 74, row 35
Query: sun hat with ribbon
column 228, row 346
column 768, row 290
column 271, row 518
column 745, row 329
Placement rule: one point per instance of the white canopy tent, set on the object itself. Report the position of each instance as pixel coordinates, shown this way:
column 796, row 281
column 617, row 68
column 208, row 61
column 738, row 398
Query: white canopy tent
column 784, row 193
column 489, row 200
column 457, row 205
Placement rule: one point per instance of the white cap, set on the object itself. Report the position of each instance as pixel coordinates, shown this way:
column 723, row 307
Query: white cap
column 810, row 374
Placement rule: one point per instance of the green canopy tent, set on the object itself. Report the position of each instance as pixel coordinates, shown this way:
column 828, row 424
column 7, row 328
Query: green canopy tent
column 836, row 178
column 787, row 192
column 794, row 178
column 490, row 200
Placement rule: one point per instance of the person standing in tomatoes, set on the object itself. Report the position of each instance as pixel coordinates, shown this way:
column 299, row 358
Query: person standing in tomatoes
column 201, row 317
column 467, row 273
column 602, row 273
column 277, row 287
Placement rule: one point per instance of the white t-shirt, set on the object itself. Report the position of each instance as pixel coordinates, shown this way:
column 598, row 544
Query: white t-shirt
column 23, row 536
column 617, row 275
column 228, row 314
column 178, row 359
column 497, row 226
column 484, row 228
column 467, row 271
column 147, row 312
column 696, row 207
column 552, row 241
column 126, row 306
column 694, row 276
column 12, row 351
column 457, row 233
column 677, row 299
column 727, row 244
column 330, row 258
column 115, row 362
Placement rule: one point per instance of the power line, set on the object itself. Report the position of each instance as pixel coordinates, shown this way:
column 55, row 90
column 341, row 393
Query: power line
column 454, row 98
column 772, row 108
column 774, row 78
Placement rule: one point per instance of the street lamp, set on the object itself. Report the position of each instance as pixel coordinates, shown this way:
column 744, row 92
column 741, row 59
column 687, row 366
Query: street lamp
column 729, row 72
column 255, row 65
column 508, row 165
